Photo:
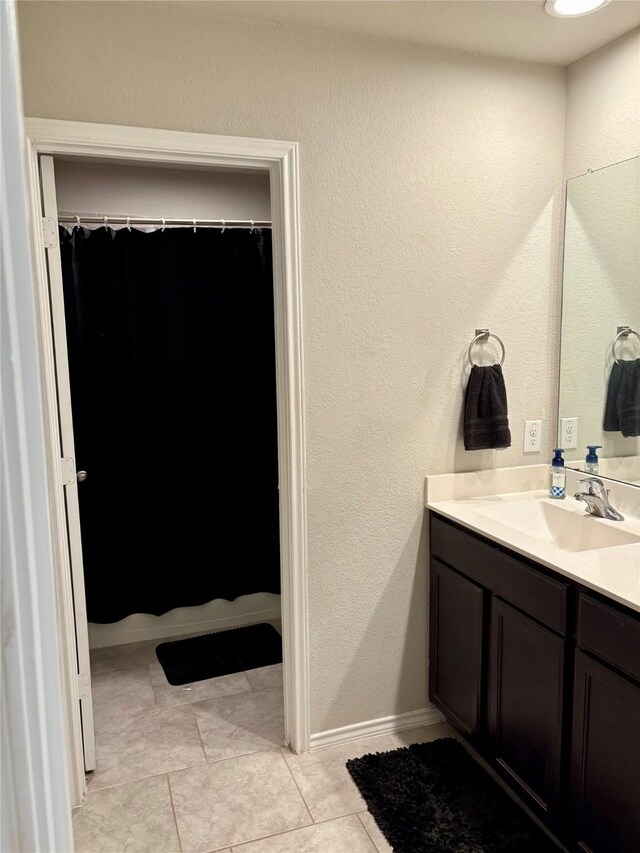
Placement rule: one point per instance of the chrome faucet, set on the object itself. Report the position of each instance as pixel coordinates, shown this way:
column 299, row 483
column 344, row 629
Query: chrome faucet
column 596, row 498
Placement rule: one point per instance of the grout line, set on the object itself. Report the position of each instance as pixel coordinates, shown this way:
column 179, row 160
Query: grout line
column 306, row 805
column 206, row 700
column 238, row 845
column 364, row 825
column 195, row 719
column 228, row 758
column 237, row 848
column 238, row 755
column 331, row 819
column 200, row 699
column 110, row 671
column 143, row 778
column 211, row 763
column 205, row 762
column 155, row 698
column 182, row 769
column 175, row 816
column 95, row 674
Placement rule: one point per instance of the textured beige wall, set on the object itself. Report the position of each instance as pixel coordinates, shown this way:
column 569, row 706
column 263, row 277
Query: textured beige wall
column 431, row 187
column 158, row 192
column 603, row 107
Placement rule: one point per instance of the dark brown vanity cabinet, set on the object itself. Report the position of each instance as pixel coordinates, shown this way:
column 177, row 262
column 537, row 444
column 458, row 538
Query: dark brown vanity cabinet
column 605, row 759
column 525, row 705
column 455, row 679
column 543, row 678
column 605, row 753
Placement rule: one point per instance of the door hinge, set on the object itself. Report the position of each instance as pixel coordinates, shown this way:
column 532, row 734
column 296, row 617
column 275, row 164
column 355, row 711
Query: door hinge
column 84, row 686
column 49, row 232
column 67, row 470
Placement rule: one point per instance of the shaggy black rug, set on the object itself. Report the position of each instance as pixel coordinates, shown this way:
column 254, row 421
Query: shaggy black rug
column 434, row 798
column 222, row 653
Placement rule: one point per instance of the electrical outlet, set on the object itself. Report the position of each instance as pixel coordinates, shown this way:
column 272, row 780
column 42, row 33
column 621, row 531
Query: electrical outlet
column 568, row 433
column 532, row 436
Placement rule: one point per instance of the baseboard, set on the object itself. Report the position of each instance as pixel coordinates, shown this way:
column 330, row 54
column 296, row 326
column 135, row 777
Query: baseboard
column 117, row 634
column 385, row 725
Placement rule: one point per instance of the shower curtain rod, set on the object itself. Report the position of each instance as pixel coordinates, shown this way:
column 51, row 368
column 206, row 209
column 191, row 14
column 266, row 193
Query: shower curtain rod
column 94, row 218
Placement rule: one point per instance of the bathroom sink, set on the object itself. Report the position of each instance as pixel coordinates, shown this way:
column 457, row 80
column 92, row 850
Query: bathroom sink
column 566, row 529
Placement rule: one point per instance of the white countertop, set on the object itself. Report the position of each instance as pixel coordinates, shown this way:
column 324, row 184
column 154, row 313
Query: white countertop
column 612, row 571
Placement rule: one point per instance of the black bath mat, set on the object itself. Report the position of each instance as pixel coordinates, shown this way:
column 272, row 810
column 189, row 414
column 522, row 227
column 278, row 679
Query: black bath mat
column 434, row 798
column 222, row 653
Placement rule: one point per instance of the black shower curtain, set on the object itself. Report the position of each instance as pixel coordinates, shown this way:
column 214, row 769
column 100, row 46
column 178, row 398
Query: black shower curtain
column 172, row 367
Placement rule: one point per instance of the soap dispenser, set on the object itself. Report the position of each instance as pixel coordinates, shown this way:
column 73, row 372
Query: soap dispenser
column 557, row 476
column 591, row 460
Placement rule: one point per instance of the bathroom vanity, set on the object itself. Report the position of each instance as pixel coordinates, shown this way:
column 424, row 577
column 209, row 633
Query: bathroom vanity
column 538, row 666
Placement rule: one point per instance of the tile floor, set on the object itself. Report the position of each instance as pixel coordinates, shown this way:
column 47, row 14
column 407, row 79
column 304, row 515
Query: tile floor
column 202, row 769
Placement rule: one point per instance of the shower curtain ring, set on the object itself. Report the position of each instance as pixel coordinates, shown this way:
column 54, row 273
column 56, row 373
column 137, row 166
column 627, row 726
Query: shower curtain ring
column 164, row 224
column 128, row 223
column 223, row 225
column 251, row 229
column 104, row 219
column 77, row 221
column 194, row 226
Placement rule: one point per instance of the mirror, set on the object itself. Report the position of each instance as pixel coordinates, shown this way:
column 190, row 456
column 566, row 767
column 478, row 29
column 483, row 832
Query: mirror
column 601, row 293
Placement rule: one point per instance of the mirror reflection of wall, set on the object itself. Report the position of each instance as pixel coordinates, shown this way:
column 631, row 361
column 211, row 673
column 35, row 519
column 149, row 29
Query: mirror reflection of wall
column 601, row 291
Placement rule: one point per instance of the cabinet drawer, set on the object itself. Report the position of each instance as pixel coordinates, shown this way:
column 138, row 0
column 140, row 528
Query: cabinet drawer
column 508, row 577
column 612, row 635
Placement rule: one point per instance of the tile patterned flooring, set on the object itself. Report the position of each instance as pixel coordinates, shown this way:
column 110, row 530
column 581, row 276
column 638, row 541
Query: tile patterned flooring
column 203, row 768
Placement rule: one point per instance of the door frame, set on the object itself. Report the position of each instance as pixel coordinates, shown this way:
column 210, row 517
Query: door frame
column 280, row 158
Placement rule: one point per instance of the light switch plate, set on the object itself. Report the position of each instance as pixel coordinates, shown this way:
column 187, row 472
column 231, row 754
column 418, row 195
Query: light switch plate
column 532, row 436
column 568, row 433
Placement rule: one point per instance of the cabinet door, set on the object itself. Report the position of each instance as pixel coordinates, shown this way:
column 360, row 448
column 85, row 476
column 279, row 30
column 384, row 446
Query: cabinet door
column 605, row 760
column 455, row 657
column 525, row 700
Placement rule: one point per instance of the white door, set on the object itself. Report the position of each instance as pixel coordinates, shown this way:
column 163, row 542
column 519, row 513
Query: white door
column 69, row 478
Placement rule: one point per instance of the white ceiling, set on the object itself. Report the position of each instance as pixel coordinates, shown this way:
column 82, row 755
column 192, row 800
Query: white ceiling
column 519, row 29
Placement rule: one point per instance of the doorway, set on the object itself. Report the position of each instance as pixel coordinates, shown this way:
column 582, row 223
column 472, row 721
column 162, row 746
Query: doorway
column 170, row 345
column 280, row 161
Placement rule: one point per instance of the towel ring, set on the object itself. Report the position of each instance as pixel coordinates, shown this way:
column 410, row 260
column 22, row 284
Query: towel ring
column 485, row 334
column 623, row 332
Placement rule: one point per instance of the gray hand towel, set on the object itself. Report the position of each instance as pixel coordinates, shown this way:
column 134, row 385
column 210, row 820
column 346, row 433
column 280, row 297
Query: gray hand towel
column 622, row 405
column 486, row 421
column 629, row 399
column 611, row 417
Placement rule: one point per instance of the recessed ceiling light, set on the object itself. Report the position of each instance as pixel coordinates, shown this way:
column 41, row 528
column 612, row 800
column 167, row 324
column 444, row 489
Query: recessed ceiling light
column 573, row 8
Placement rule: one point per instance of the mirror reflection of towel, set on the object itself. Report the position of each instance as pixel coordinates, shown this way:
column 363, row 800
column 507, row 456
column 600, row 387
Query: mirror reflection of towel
column 622, row 404
column 486, row 421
